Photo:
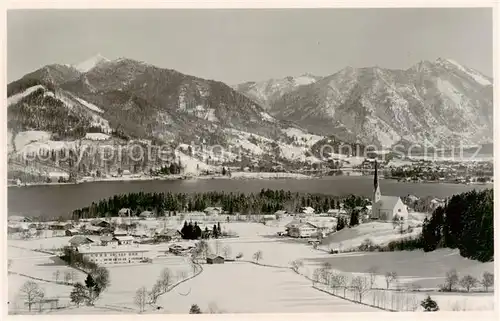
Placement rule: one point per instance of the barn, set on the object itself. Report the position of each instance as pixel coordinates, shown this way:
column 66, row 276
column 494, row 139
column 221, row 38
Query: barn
column 215, row 259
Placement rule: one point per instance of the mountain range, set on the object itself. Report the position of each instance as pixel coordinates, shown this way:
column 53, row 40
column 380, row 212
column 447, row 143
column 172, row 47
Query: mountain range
column 442, row 102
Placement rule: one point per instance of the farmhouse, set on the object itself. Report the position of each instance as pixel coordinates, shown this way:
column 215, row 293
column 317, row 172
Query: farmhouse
column 60, row 226
column 167, row 234
column 108, row 240
column 215, row 259
column 305, row 229
column 18, row 219
column 307, row 210
column 120, row 232
column 95, row 230
column 125, row 212
column 100, row 223
column 113, row 254
column 125, row 240
column 71, row 232
column 146, row 214
column 213, row 211
column 79, row 240
column 386, row 207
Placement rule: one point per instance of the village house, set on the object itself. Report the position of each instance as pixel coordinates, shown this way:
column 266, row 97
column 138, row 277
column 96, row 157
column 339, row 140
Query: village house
column 106, row 255
column 215, row 259
column 108, row 240
column 79, row 240
column 303, row 229
column 281, row 213
column 94, row 230
column 385, row 208
column 124, row 240
column 167, row 235
column 60, row 226
column 146, row 215
column 125, row 212
column 436, row 202
column 120, row 232
column 18, row 219
column 213, row 211
column 100, row 223
column 307, row 210
column 72, row 232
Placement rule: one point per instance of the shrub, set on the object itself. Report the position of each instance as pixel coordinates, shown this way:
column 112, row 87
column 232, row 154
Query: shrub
column 429, row 305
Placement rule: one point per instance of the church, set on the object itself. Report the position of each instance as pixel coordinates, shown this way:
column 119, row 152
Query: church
column 385, row 208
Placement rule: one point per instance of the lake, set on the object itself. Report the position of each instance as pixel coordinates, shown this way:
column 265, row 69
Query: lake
column 61, row 200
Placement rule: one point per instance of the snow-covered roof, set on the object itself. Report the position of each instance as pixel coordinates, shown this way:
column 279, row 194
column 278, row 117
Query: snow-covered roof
column 110, row 249
column 18, row 218
column 124, row 238
column 107, row 238
column 80, row 239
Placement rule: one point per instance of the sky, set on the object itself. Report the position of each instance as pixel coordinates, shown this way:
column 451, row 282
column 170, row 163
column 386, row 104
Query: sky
column 236, row 46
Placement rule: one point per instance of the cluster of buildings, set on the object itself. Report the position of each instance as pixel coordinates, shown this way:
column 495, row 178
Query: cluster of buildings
column 443, row 171
column 384, row 208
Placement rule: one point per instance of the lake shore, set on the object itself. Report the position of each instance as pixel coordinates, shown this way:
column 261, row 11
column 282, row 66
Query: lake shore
column 234, row 176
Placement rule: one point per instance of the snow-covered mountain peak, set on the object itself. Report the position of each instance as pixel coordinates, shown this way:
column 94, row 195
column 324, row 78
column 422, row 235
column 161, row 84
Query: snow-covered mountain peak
column 90, row 63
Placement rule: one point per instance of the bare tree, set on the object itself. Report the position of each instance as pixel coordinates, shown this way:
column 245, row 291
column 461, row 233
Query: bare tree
column 155, row 292
column 194, row 267
column 451, row 280
column 390, row 277
column 165, row 279
column 181, row 275
column 140, row 298
column 338, row 280
column 325, row 272
column 257, row 256
column 218, row 246
column 360, row 284
column 372, row 271
column 202, row 248
column 316, row 276
column 32, row 293
column 296, row 265
column 487, row 281
column 212, row 308
column 226, row 251
column 342, row 282
column 40, row 301
column 468, row 282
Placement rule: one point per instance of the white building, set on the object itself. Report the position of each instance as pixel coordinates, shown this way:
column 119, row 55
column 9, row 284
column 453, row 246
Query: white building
column 385, row 208
column 125, row 240
column 302, row 230
column 105, row 255
column 307, row 210
column 212, row 211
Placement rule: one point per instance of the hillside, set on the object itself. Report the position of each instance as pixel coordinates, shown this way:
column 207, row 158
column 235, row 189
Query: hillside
column 123, row 100
column 265, row 93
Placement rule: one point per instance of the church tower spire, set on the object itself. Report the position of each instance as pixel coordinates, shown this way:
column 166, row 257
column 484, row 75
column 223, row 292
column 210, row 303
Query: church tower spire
column 376, row 185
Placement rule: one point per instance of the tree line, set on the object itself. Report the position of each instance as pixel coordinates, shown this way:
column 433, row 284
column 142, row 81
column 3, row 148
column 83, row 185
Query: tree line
column 464, row 223
column 265, row 202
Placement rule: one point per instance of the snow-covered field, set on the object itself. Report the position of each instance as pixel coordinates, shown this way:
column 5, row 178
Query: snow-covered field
column 378, row 232
column 246, row 287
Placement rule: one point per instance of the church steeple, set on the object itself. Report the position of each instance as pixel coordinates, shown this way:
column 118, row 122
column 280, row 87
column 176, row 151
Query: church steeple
column 376, row 186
